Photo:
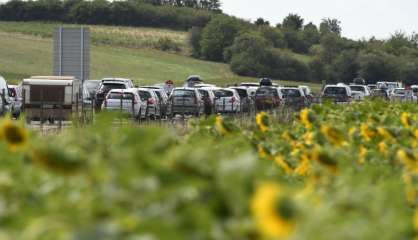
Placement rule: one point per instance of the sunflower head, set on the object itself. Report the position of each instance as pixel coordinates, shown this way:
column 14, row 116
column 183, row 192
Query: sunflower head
column 406, row 119
column 386, row 133
column 307, row 118
column 263, row 121
column 221, row 126
column 322, row 157
column 333, row 135
column 367, row 132
column 273, row 211
column 15, row 136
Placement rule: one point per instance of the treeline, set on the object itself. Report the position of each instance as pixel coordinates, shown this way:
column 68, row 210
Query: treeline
column 179, row 14
column 293, row 50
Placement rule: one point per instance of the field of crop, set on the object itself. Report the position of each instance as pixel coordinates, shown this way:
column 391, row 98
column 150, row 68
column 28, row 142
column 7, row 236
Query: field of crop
column 26, row 49
column 132, row 37
column 332, row 172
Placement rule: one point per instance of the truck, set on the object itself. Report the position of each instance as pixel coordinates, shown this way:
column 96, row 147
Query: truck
column 52, row 98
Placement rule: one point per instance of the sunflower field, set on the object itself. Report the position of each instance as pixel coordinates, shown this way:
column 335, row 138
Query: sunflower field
column 332, row 172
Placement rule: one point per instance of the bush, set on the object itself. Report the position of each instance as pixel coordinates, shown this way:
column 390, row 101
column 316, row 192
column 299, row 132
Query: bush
column 195, row 36
column 124, row 13
column 218, row 35
column 379, row 66
column 253, row 55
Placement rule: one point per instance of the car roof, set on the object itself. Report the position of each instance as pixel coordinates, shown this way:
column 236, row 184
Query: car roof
column 185, row 88
column 129, row 90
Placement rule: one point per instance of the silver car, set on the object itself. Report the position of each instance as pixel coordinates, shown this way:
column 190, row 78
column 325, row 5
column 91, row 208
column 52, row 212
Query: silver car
column 125, row 100
column 187, row 101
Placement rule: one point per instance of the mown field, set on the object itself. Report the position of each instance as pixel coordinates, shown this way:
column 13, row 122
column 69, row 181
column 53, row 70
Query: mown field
column 332, row 172
column 26, row 49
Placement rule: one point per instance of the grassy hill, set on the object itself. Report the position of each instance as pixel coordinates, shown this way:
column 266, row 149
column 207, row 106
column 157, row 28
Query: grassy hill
column 26, row 49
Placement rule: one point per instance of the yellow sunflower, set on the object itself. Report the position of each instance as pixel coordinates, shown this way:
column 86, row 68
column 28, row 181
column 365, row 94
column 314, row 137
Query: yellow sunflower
column 406, row 119
column 320, row 156
column 362, row 154
column 283, row 164
column 15, row 136
column 366, row 132
column 333, row 135
column 263, row 121
column 273, row 212
column 408, row 159
column 383, row 148
column 386, row 133
column 307, row 118
column 220, row 125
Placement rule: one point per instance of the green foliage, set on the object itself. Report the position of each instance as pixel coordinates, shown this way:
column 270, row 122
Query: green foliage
column 218, row 35
column 346, row 67
column 379, row 66
column 293, row 22
column 274, row 35
column 329, row 25
column 130, row 182
column 195, row 36
column 123, row 13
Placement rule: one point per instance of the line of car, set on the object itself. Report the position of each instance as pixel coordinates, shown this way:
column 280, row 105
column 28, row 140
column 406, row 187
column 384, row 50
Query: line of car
column 198, row 99
column 391, row 91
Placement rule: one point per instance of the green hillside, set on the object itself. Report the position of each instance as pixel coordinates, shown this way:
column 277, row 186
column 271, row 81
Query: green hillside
column 26, row 49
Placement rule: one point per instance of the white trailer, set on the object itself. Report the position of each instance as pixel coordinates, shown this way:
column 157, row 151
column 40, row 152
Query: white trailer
column 52, row 98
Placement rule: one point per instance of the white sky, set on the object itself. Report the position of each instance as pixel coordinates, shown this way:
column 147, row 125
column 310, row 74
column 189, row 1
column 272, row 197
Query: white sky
column 359, row 18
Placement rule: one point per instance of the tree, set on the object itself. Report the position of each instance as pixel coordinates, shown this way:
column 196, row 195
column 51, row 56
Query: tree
column 311, row 34
column 346, row 67
column 329, row 25
column 261, row 22
column 249, row 53
column 274, row 35
column 195, row 36
column 217, row 36
column 331, row 45
column 379, row 66
column 293, row 22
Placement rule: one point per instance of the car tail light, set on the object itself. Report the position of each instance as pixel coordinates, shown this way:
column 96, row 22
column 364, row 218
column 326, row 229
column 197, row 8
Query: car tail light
column 232, row 100
column 150, row 101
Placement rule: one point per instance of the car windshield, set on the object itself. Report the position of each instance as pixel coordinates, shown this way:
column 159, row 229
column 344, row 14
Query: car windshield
column 91, row 86
column 399, row 91
column 357, row 88
column 144, row 95
column 204, row 93
column 335, row 91
column 266, row 92
column 379, row 92
column 106, row 87
column 183, row 93
column 242, row 92
column 223, row 93
column 118, row 95
column 290, row 92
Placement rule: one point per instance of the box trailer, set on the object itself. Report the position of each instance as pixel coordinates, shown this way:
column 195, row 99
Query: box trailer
column 52, row 98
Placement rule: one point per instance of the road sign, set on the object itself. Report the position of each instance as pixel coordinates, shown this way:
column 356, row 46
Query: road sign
column 72, row 52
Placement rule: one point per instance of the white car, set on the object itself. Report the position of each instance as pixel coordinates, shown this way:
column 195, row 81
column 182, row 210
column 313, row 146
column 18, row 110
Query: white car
column 125, row 100
column 227, row 101
column 340, row 93
column 403, row 95
column 361, row 88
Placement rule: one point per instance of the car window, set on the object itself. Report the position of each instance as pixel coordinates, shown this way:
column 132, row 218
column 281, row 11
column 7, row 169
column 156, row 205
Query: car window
column 224, row 93
column 204, row 93
column 399, row 91
column 357, row 88
column 335, row 91
column 106, row 87
column 289, row 92
column 184, row 93
column 116, row 95
column 144, row 95
column 266, row 92
column 159, row 95
column 242, row 92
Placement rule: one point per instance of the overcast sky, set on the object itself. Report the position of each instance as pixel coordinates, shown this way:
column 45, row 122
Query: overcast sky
column 359, row 18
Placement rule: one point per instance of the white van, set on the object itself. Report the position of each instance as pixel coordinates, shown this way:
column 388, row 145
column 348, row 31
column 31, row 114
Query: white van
column 5, row 101
column 51, row 98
